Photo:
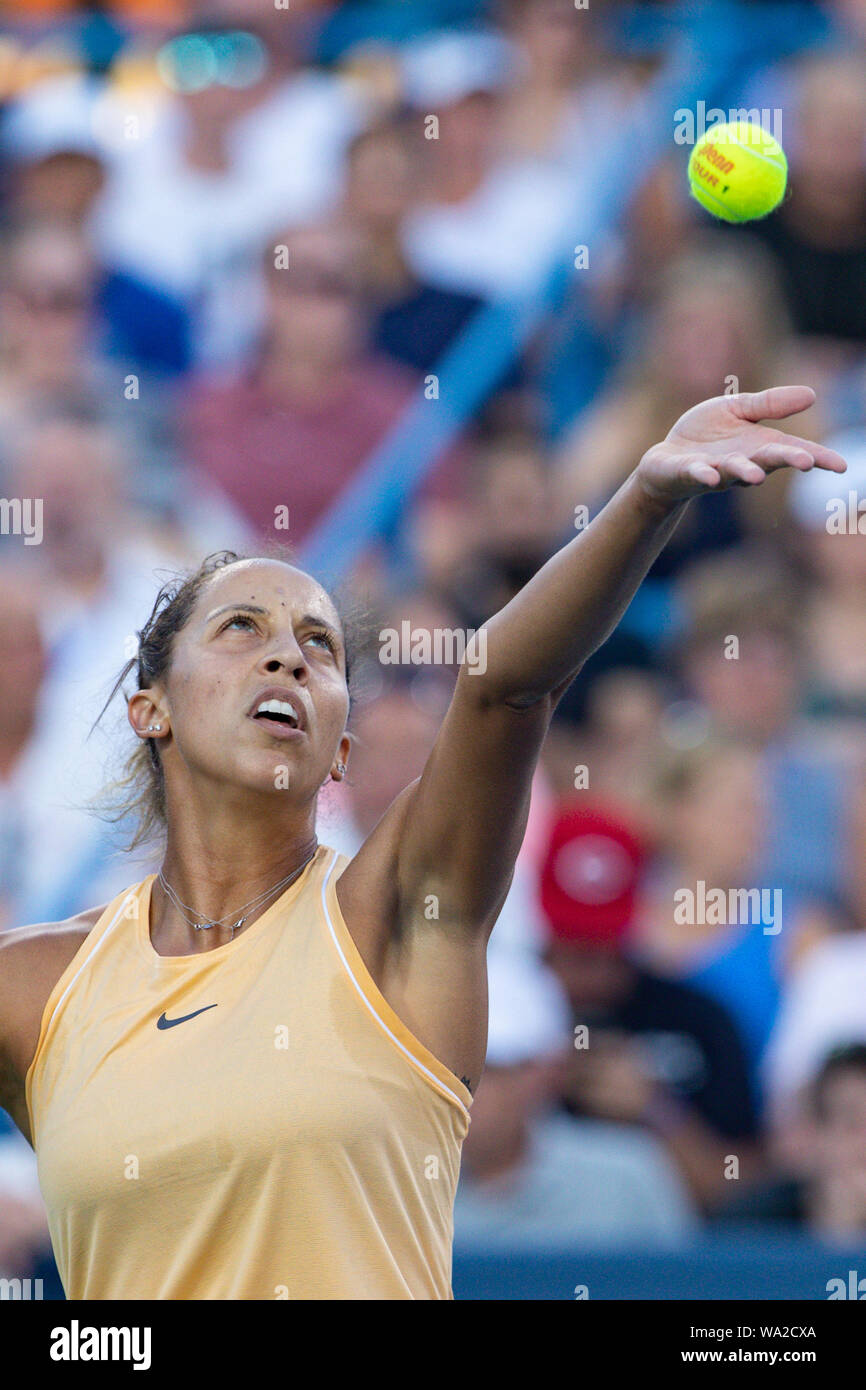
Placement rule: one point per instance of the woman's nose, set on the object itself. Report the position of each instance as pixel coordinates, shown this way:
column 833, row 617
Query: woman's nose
column 289, row 657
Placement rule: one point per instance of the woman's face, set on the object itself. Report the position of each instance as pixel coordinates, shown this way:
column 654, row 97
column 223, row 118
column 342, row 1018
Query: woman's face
column 261, row 630
column 718, row 823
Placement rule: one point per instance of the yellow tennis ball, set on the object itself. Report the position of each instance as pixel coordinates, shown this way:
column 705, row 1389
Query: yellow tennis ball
column 738, row 172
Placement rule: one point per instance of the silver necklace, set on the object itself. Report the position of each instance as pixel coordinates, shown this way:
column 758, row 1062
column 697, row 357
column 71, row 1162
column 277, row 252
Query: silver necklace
column 245, row 911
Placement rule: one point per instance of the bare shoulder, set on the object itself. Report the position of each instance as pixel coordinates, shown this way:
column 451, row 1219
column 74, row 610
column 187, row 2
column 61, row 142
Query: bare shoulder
column 32, row 960
column 35, row 950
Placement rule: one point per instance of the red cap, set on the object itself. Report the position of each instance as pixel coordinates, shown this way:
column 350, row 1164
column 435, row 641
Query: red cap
column 590, row 874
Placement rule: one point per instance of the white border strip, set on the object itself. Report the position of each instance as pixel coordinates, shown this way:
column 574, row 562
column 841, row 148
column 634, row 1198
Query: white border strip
column 416, row 1062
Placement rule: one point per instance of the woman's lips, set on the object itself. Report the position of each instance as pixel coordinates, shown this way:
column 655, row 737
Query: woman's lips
column 276, row 728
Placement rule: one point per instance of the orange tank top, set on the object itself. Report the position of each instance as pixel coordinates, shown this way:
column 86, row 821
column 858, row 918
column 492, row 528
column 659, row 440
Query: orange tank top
column 253, row 1122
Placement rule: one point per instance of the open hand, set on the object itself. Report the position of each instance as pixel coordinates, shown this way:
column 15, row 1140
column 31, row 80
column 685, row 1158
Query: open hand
column 720, row 443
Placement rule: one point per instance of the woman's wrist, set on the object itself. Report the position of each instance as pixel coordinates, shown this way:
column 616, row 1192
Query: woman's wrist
column 657, row 502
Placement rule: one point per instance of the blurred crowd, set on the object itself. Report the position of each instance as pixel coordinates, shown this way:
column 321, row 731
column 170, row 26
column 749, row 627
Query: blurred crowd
column 236, row 239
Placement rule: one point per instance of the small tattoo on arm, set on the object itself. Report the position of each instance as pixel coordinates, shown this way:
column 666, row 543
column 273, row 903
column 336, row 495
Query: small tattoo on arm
column 467, row 1083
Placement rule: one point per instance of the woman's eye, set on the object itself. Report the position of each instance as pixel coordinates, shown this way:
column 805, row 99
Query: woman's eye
column 241, row 620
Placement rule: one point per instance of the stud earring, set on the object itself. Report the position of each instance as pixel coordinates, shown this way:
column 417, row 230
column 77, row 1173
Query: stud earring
column 154, row 728
column 341, row 767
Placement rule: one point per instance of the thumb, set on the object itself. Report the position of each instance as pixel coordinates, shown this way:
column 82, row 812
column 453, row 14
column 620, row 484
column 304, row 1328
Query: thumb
column 773, row 404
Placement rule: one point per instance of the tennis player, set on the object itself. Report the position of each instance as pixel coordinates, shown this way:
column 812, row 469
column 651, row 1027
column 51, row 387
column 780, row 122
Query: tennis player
column 250, row 1076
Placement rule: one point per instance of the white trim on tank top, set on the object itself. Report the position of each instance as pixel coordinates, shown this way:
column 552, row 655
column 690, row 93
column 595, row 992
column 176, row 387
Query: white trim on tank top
column 89, row 957
column 416, row 1062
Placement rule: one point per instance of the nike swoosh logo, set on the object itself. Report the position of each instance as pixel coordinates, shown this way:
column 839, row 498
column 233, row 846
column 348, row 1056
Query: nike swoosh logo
column 163, row 1022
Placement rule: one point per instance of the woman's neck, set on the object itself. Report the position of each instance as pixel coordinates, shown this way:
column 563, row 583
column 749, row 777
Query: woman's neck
column 223, row 870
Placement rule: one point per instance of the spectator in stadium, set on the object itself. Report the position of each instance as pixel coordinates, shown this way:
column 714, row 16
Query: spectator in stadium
column 93, row 574
column 45, row 279
column 92, row 534
column 58, row 169
column 489, row 223
column 505, row 531
column 648, row 1051
column 54, row 345
column 832, row 547
column 822, row 1009
column 715, row 323
column 825, row 1194
column 22, row 671
column 753, row 691
column 568, row 92
column 608, row 732
column 54, row 182
column 509, row 526
column 412, row 321
column 707, row 918
column 292, row 429
column 261, row 144
column 532, row 1176
column 47, row 836
column 835, row 1188
column 570, row 103
column 818, row 235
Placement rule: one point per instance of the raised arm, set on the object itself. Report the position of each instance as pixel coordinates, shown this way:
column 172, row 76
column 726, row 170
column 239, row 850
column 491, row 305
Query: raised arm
column 456, row 832
column 537, row 644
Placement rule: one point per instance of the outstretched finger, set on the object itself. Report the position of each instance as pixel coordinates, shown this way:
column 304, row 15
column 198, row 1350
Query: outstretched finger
column 782, row 453
column 774, row 403
column 739, row 468
column 824, row 457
